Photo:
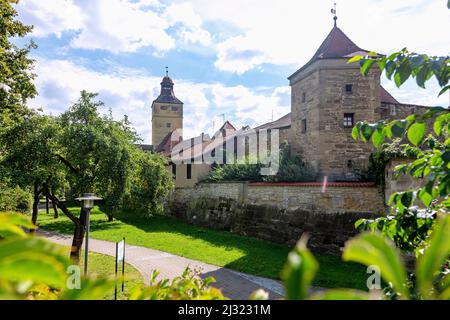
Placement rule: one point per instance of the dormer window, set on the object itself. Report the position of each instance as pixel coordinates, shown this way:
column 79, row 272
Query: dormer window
column 349, row 88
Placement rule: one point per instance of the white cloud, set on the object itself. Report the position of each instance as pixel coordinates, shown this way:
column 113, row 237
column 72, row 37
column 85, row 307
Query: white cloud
column 51, row 17
column 287, row 32
column 117, row 25
column 131, row 92
column 122, row 26
column 191, row 30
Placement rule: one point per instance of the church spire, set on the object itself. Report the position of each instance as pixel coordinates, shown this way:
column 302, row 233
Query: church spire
column 167, row 95
column 334, row 11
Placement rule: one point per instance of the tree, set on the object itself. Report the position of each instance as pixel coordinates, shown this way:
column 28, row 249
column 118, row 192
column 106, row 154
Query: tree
column 27, row 158
column 149, row 182
column 429, row 142
column 99, row 155
column 16, row 76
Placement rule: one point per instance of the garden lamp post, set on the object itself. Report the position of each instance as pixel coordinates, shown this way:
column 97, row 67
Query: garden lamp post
column 88, row 203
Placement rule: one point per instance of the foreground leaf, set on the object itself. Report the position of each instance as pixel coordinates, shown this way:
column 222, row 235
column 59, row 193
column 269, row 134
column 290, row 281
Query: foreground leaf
column 429, row 264
column 375, row 249
column 299, row 271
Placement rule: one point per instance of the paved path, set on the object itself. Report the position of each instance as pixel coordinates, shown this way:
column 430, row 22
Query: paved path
column 235, row 285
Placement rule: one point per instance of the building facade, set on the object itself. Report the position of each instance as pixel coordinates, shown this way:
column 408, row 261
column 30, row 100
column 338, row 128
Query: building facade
column 167, row 114
column 328, row 96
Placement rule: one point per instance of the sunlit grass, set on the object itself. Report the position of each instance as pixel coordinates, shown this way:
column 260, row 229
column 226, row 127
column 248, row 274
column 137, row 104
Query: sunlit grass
column 219, row 248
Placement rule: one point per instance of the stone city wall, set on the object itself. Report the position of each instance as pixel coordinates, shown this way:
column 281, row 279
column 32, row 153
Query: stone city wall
column 280, row 212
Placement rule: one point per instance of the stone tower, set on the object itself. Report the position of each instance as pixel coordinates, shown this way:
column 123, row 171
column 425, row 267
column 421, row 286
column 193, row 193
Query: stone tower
column 167, row 113
column 329, row 96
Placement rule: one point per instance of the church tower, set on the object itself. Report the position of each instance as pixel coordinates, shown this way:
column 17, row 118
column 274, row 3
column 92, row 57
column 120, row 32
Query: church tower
column 329, row 96
column 167, row 113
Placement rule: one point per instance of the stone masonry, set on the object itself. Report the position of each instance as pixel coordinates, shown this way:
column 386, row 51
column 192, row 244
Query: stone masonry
column 280, row 213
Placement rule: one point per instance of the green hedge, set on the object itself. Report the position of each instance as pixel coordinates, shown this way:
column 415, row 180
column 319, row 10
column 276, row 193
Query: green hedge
column 15, row 199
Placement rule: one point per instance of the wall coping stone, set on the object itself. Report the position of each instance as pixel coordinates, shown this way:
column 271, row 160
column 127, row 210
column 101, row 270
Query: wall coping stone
column 315, row 184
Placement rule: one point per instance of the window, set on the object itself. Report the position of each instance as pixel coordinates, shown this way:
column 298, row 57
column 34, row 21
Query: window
column 304, row 97
column 174, row 170
column 189, row 171
column 164, row 107
column 174, row 108
column 348, row 88
column 393, row 110
column 348, row 120
column 304, row 126
column 168, row 125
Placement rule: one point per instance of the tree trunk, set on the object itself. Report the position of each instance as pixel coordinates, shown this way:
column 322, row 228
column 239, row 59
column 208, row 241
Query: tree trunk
column 79, row 223
column 34, row 215
column 55, row 207
column 46, row 205
column 77, row 242
column 110, row 217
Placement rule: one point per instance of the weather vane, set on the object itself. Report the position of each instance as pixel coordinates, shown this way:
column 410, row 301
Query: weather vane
column 334, row 11
column 167, row 71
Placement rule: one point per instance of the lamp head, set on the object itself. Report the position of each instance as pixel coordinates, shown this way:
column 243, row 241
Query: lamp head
column 88, row 200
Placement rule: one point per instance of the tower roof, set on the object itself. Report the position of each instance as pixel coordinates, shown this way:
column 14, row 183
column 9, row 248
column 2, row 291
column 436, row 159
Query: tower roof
column 336, row 45
column 167, row 95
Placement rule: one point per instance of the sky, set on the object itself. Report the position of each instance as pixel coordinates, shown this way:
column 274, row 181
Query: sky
column 229, row 59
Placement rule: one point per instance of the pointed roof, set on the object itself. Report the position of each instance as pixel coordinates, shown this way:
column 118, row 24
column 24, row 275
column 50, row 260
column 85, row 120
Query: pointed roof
column 336, row 45
column 167, row 95
column 283, row 122
column 226, row 128
column 386, row 97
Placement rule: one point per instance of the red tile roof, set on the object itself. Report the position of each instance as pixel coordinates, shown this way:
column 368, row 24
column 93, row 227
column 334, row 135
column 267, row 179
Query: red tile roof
column 284, row 121
column 335, row 45
column 386, row 97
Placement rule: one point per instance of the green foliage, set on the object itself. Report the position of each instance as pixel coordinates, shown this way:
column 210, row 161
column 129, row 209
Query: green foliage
column 188, row 286
column 239, row 171
column 16, row 74
column 428, row 148
column 299, row 271
column 149, row 183
column 100, row 155
column 373, row 249
column 33, row 268
column 403, row 64
column 291, row 169
column 14, row 198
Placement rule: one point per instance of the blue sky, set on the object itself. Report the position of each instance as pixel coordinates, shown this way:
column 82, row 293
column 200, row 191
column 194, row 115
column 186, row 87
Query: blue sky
column 226, row 57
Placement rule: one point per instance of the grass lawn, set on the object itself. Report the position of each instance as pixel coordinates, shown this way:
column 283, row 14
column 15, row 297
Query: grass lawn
column 104, row 265
column 219, row 248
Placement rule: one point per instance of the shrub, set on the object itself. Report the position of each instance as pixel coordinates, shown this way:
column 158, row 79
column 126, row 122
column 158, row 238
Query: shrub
column 15, row 199
column 291, row 169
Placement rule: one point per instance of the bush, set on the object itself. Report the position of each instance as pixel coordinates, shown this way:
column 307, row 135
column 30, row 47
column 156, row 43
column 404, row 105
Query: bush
column 15, row 199
column 291, row 169
column 235, row 172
